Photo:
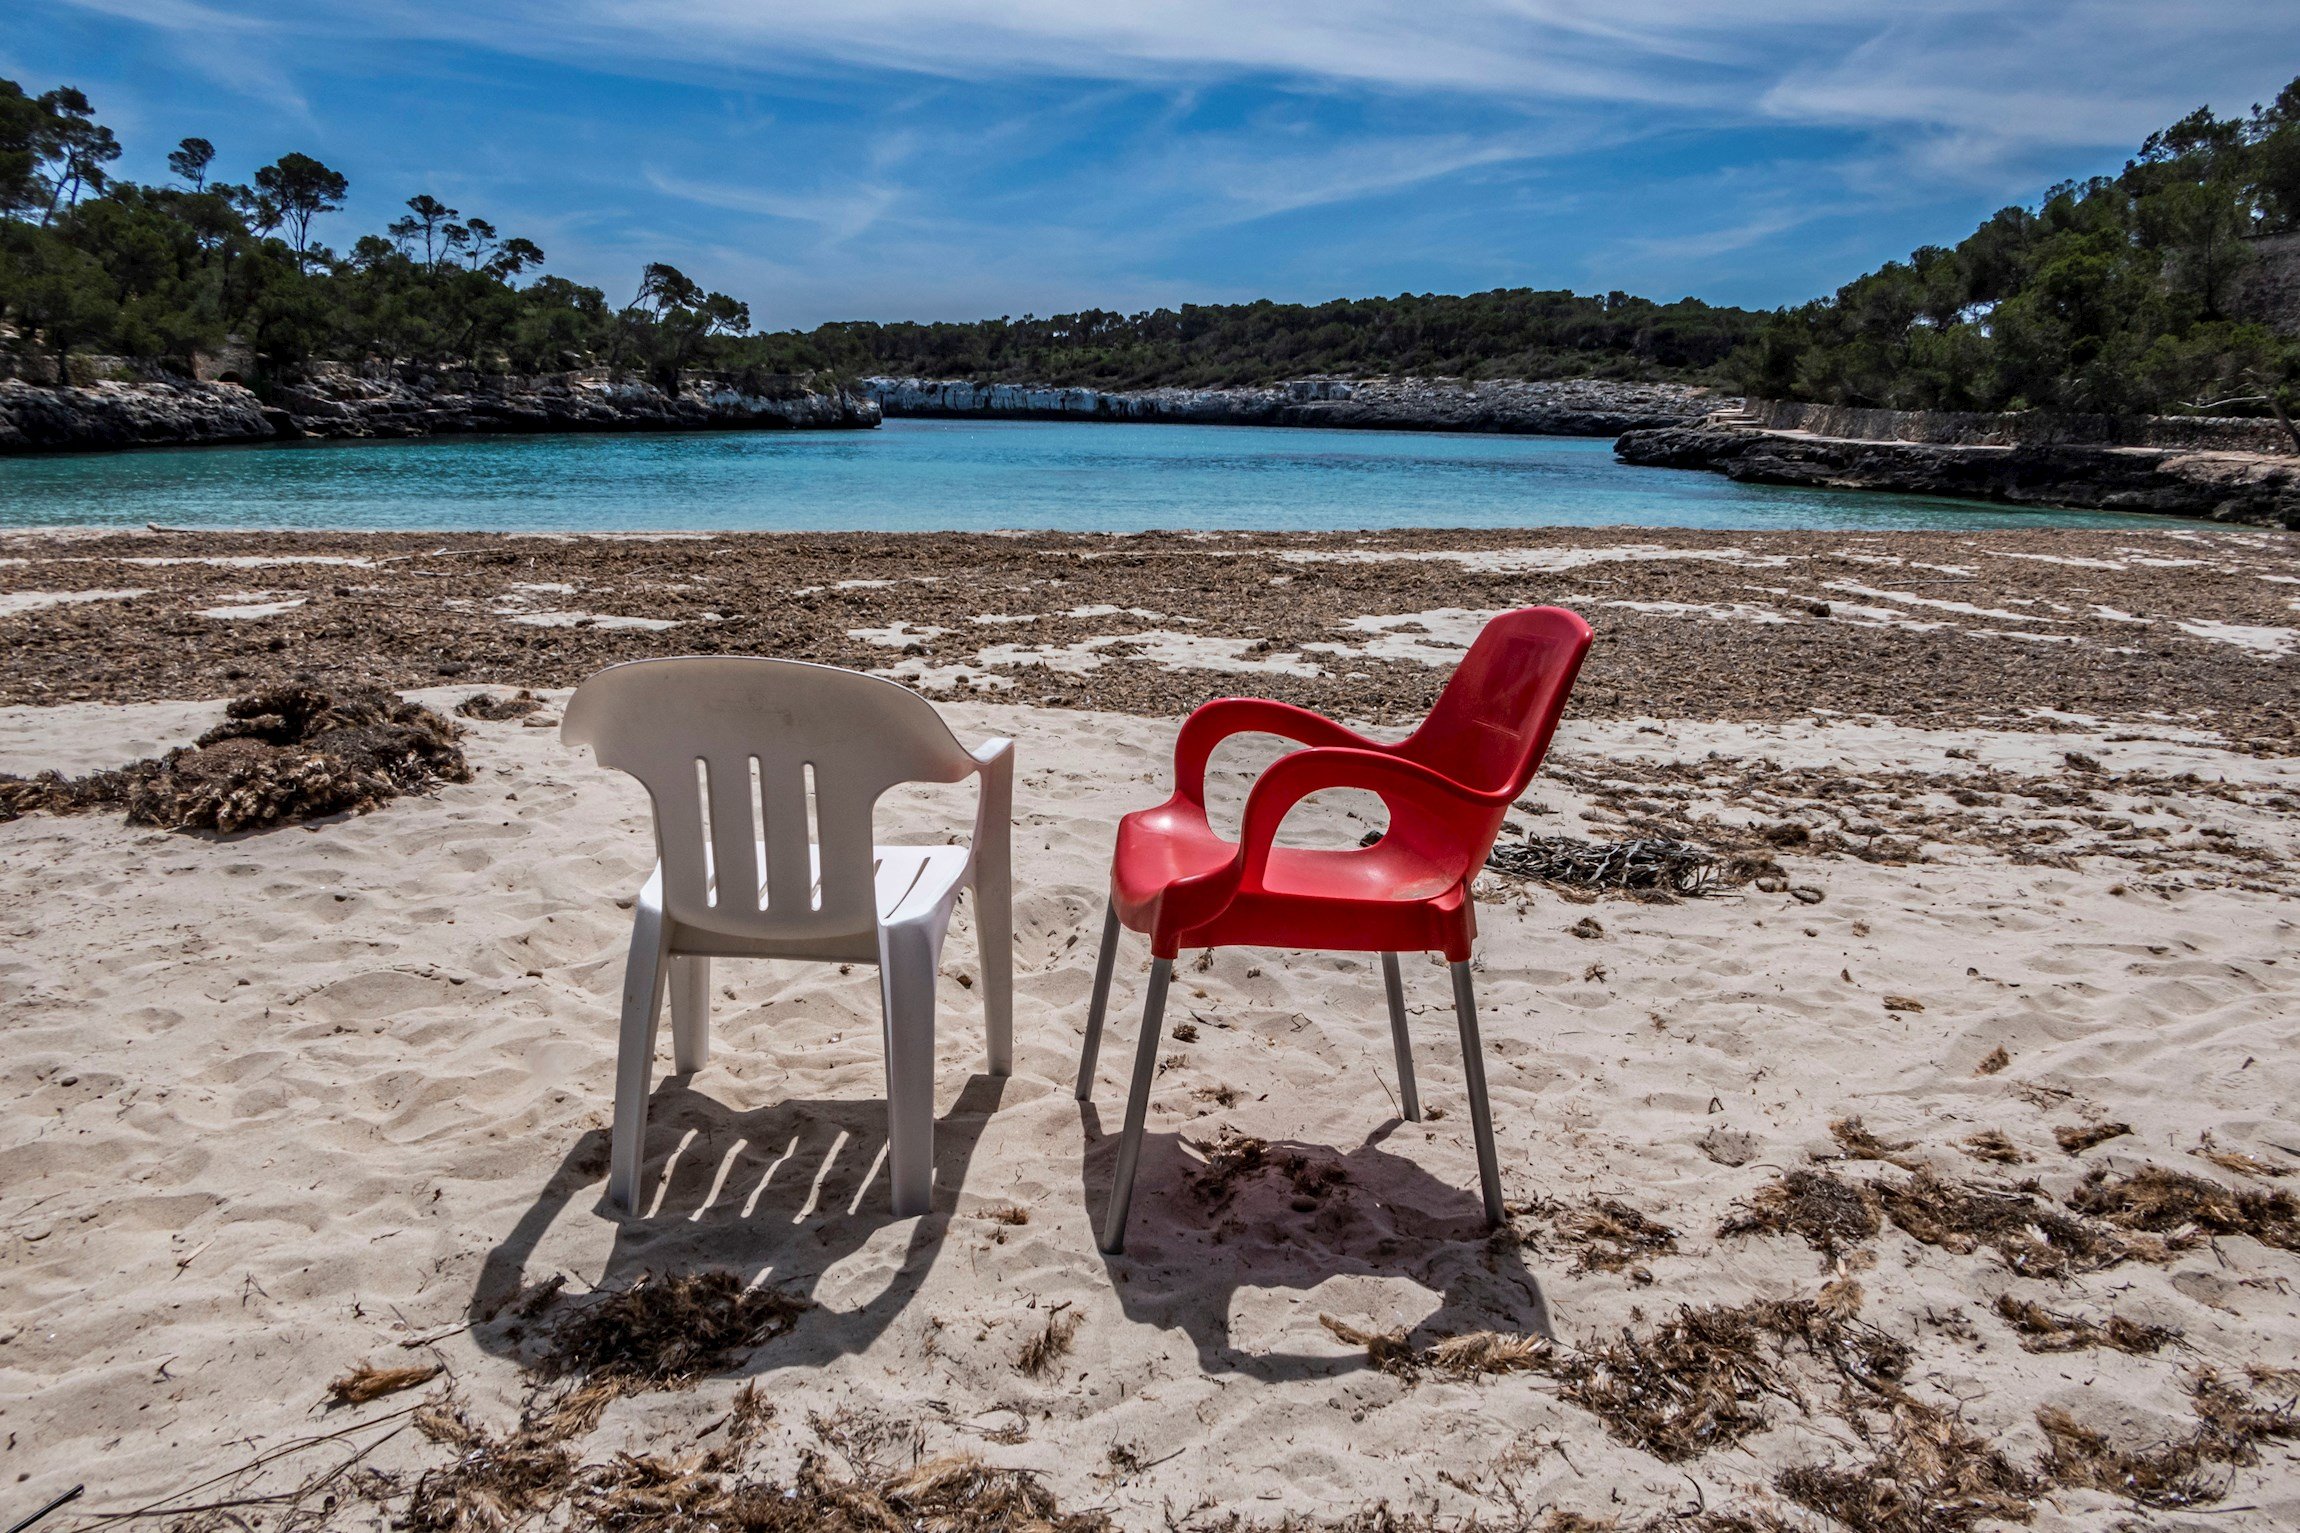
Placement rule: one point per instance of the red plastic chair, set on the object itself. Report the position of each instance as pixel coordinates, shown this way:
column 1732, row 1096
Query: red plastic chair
column 1446, row 786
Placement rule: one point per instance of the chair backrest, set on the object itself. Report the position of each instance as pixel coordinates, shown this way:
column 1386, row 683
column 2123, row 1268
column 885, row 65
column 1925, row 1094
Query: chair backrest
column 1493, row 722
column 729, row 748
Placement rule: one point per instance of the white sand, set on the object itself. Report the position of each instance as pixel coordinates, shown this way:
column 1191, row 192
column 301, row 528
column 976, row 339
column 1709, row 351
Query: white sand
column 281, row 1103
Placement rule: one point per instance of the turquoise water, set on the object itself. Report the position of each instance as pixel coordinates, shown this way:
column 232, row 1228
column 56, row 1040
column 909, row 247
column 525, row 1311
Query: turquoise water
column 918, row 476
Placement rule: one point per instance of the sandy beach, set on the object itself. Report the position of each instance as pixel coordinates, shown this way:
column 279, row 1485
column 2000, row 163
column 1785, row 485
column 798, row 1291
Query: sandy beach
column 1900, row 1117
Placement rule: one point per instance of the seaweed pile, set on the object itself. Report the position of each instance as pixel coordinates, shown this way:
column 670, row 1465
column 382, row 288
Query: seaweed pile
column 293, row 753
column 1678, row 868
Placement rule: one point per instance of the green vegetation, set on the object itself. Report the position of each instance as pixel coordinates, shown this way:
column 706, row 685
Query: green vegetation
column 1507, row 333
column 164, row 274
column 2121, row 295
column 2124, row 294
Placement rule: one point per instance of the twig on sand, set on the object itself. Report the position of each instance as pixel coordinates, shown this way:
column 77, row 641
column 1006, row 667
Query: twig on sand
column 64, row 1498
column 162, row 1507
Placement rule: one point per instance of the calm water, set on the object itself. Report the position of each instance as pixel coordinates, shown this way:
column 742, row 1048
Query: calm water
column 943, row 475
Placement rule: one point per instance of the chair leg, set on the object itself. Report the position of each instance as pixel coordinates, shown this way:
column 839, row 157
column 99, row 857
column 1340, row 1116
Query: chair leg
column 994, row 925
column 1137, row 1108
column 643, row 982
column 1099, row 1004
column 906, row 992
column 690, row 1013
column 1409, row 1099
column 1480, row 1109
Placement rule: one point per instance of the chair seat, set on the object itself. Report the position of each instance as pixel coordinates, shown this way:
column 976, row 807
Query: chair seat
column 912, row 884
column 1385, row 894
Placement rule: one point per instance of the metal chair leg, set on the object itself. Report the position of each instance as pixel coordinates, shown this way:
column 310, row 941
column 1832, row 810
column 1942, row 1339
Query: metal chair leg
column 1480, row 1109
column 1137, row 1109
column 1099, row 1004
column 1409, row 1098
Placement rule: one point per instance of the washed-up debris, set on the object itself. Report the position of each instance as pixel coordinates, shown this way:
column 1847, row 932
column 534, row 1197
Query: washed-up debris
column 2156, row 1200
column 1050, row 1344
column 365, row 1382
column 2231, row 1425
column 292, row 754
column 1829, row 1215
column 665, row 1331
column 1456, row 1357
column 496, row 707
column 1931, row 1474
column 1698, row 1381
column 1679, row 868
column 2043, row 1330
column 1992, row 1145
column 2075, row 1140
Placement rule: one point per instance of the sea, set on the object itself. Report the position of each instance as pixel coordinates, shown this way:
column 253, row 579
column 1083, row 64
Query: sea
column 945, row 476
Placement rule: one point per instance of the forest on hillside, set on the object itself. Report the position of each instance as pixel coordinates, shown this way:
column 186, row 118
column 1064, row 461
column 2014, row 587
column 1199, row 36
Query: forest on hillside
column 2119, row 294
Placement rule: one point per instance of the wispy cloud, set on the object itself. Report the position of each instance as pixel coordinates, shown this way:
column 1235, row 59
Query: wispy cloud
column 840, row 215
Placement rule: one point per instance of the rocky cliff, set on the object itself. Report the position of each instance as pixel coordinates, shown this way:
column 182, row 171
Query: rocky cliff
column 1563, row 407
column 332, row 401
column 2258, row 489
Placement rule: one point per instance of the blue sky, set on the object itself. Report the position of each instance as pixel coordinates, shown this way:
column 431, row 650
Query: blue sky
column 830, row 159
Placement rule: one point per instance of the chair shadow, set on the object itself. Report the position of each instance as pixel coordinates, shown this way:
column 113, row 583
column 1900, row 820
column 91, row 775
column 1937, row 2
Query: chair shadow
column 1191, row 1249
column 779, row 1194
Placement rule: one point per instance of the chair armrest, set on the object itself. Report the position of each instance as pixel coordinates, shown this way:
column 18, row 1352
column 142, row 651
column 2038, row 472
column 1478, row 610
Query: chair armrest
column 1400, row 784
column 994, row 810
column 1212, row 723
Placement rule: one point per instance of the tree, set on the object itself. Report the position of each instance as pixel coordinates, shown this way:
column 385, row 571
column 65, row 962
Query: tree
column 190, row 160
column 301, row 188
column 71, row 148
column 427, row 218
column 22, row 123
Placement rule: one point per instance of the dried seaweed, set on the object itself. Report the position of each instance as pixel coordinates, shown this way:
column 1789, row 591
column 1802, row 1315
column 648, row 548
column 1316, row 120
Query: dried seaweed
column 365, row 1381
column 1859, row 1144
column 1993, row 1146
column 2231, row 1425
column 1679, row 868
column 1459, row 1357
column 1931, row 1475
column 666, row 1330
column 2043, row 1330
column 2157, row 1200
column 1827, row 1214
column 2028, row 1234
column 2076, row 1139
column 495, row 707
column 1051, row 1344
column 292, row 754
column 1233, row 1159
column 1608, row 1235
column 1698, row 1381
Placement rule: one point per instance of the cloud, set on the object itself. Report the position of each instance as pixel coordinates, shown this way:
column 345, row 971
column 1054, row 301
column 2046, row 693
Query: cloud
column 841, row 215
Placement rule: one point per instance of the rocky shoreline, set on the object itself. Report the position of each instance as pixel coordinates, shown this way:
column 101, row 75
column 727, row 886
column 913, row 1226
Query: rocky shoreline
column 1556, row 407
column 2251, row 489
column 339, row 402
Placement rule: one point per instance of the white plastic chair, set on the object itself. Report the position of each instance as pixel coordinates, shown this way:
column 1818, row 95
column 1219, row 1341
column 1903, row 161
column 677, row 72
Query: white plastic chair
column 731, row 750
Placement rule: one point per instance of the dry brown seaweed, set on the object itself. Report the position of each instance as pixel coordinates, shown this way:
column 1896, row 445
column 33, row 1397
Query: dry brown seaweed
column 1930, row 1475
column 363, row 1382
column 1460, row 1357
column 665, row 1330
column 1679, row 868
column 2043, row 1330
column 494, row 707
column 295, row 753
column 2075, row 1139
column 2157, row 1200
column 2231, row 1425
column 1827, row 1214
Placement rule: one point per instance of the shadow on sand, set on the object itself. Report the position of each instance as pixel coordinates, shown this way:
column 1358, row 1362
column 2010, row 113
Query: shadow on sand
column 1304, row 1215
column 779, row 1194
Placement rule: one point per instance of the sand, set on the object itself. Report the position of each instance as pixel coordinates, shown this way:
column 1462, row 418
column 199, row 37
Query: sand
column 277, row 1104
